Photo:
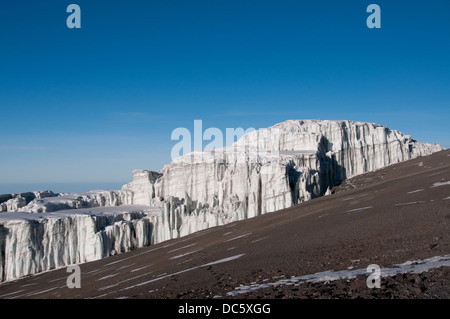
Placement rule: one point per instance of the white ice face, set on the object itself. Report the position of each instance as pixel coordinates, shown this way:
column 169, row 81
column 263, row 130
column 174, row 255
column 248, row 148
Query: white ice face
column 278, row 167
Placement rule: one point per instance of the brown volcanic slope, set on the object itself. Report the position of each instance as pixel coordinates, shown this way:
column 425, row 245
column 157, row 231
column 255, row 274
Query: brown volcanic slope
column 385, row 217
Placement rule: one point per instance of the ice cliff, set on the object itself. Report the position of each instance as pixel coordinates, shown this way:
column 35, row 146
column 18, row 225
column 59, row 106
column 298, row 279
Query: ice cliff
column 31, row 243
column 47, row 201
column 264, row 171
column 275, row 168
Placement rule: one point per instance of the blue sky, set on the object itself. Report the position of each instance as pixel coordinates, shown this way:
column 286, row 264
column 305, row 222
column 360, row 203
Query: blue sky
column 92, row 104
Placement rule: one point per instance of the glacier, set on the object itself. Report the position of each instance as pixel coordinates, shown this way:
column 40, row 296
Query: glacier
column 264, row 171
column 47, row 201
column 275, row 168
column 30, row 244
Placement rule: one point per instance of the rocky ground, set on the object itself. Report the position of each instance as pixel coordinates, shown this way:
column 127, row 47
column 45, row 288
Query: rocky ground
column 433, row 284
column 388, row 217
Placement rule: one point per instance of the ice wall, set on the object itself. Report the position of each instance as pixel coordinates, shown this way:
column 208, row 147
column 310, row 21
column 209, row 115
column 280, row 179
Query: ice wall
column 47, row 201
column 29, row 245
column 275, row 168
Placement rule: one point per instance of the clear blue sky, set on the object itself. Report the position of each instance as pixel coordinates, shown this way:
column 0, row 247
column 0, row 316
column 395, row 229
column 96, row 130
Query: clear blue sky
column 92, row 104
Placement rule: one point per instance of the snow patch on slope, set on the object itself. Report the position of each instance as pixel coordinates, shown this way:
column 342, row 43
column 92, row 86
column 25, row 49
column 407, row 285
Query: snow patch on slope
column 411, row 267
